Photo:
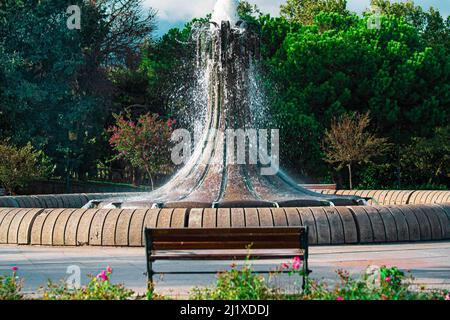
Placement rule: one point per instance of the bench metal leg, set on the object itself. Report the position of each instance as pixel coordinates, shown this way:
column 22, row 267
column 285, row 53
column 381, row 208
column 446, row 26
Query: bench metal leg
column 304, row 243
column 148, row 254
column 150, row 273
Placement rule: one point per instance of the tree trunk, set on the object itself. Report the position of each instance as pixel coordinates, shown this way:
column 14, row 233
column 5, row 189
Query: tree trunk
column 151, row 182
column 350, row 179
column 399, row 169
column 151, row 178
column 134, row 177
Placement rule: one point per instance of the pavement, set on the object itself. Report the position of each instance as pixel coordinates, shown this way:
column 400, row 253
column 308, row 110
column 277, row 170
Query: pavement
column 429, row 263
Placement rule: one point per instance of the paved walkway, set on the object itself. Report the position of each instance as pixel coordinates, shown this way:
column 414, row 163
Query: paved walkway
column 429, row 263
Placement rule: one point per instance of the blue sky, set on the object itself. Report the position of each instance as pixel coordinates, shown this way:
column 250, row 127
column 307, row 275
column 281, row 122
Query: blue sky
column 175, row 13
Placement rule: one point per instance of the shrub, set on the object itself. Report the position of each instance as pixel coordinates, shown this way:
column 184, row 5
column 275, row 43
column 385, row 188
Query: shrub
column 236, row 284
column 11, row 286
column 19, row 166
column 99, row 288
column 145, row 143
column 379, row 284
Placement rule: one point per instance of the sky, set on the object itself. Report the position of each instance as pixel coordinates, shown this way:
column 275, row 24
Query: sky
column 175, row 13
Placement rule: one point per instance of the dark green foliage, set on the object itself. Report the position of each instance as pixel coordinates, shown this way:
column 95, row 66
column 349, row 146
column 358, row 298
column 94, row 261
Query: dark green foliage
column 321, row 62
column 55, row 89
column 337, row 65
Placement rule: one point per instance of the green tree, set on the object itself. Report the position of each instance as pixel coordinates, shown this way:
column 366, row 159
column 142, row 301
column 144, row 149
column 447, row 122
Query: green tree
column 144, row 143
column 304, row 11
column 349, row 142
column 55, row 82
column 248, row 11
column 337, row 65
column 19, row 166
column 427, row 160
column 432, row 26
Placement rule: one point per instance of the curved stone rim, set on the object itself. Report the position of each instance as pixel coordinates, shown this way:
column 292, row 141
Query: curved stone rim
column 124, row 227
column 380, row 197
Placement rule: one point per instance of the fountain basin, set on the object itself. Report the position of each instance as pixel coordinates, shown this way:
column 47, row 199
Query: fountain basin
column 388, row 223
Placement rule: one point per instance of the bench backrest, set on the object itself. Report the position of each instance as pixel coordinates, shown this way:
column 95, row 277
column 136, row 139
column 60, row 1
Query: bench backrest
column 231, row 238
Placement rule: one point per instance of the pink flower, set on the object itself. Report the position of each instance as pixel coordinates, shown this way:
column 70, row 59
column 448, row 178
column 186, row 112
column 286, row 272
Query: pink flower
column 285, row 266
column 296, row 263
column 102, row 275
column 14, row 268
column 339, row 298
column 447, row 297
column 388, row 279
column 109, row 269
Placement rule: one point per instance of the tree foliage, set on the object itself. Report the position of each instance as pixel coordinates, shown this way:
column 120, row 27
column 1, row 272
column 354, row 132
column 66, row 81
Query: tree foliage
column 320, row 61
column 55, row 81
column 304, row 11
column 336, row 66
column 428, row 159
column 19, row 166
column 144, row 143
column 348, row 141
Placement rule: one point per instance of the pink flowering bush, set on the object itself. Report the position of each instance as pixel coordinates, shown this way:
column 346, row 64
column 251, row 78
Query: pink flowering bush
column 144, row 143
column 98, row 288
column 391, row 284
column 11, row 286
column 244, row 284
column 294, row 269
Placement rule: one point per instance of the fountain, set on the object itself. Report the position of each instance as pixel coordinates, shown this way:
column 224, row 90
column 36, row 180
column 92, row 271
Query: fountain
column 212, row 178
column 214, row 190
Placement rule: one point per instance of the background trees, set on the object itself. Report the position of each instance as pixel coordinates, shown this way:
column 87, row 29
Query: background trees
column 59, row 88
column 337, row 65
column 56, row 82
column 304, row 11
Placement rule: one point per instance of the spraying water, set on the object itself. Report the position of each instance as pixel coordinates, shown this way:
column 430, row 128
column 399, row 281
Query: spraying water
column 225, row 10
column 226, row 96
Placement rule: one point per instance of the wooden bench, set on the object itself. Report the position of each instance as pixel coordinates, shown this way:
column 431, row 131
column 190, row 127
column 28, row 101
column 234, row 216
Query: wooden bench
column 225, row 244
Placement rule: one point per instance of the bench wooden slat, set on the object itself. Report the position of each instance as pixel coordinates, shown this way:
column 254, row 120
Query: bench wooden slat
column 232, row 245
column 228, row 237
column 222, row 257
column 201, row 231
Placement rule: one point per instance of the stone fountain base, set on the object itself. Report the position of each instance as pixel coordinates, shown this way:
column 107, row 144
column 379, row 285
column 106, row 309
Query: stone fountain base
column 396, row 220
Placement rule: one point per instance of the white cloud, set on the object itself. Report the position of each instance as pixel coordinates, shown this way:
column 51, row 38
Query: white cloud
column 178, row 10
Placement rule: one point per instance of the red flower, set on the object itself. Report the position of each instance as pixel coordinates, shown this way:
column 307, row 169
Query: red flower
column 102, row 275
column 296, row 263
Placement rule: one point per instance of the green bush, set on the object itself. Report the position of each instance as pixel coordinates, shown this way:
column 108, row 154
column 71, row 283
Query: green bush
column 244, row 284
column 11, row 286
column 19, row 166
column 236, row 284
column 379, row 284
column 99, row 288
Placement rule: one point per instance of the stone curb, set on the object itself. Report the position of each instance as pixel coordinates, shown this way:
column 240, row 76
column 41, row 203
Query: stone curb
column 124, row 227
